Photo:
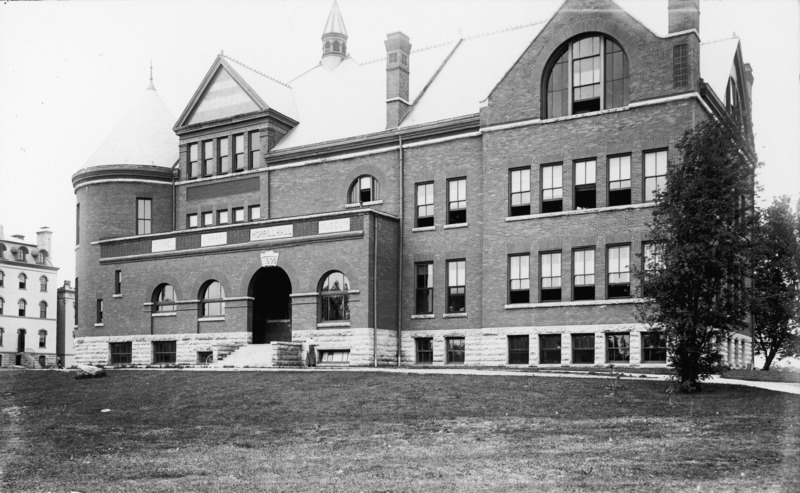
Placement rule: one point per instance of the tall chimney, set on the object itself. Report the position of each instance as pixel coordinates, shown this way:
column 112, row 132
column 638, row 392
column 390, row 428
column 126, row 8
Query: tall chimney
column 398, row 54
column 684, row 15
column 44, row 241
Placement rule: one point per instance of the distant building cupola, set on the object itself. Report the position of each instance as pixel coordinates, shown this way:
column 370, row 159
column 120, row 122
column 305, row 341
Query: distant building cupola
column 334, row 38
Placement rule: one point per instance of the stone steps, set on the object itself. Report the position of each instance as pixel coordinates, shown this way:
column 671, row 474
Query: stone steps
column 250, row 355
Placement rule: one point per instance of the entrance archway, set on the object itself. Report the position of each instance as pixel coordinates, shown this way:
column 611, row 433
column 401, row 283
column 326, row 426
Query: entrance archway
column 271, row 316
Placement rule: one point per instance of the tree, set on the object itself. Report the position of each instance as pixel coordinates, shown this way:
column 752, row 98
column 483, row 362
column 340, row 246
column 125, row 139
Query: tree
column 701, row 222
column 776, row 282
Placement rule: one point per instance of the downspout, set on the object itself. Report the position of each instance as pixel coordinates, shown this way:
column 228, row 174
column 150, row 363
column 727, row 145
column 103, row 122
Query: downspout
column 375, row 288
column 400, row 253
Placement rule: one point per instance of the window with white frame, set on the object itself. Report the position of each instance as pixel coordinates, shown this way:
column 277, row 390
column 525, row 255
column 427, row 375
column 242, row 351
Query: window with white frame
column 655, row 173
column 238, row 153
column 254, row 144
column 456, row 286
column 365, row 188
column 144, row 216
column 208, row 218
column 223, row 159
column 619, row 180
column 191, row 220
column 585, row 184
column 552, row 192
column 212, row 299
column 520, row 192
column 42, row 338
column 519, row 282
column 208, row 158
column 193, row 169
column 43, row 284
column 334, row 297
column 618, row 348
column 43, row 309
column 651, row 260
column 583, row 274
column 23, row 281
column 424, row 288
column 424, row 205
column 619, row 271
column 164, row 299
column 457, row 201
column 22, row 306
column 551, row 276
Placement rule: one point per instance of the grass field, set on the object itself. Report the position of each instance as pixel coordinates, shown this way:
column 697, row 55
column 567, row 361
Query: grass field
column 357, row 431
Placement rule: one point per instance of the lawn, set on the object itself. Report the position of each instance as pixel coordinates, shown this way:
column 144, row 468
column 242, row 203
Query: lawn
column 358, row 431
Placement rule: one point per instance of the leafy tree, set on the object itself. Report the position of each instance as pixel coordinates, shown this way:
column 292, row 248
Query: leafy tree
column 776, row 282
column 696, row 293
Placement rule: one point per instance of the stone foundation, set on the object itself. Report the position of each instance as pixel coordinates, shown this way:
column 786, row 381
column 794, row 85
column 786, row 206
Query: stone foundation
column 360, row 342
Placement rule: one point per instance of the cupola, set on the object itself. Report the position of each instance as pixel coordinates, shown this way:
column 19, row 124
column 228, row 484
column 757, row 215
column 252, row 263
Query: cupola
column 334, row 38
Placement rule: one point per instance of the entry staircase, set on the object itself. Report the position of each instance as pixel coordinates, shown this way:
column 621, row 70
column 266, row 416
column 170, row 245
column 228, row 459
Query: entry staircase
column 247, row 356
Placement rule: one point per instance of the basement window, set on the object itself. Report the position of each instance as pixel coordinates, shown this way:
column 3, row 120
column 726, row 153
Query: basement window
column 334, row 357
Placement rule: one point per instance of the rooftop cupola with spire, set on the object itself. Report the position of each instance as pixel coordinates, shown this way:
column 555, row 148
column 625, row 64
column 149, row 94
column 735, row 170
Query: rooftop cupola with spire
column 334, row 38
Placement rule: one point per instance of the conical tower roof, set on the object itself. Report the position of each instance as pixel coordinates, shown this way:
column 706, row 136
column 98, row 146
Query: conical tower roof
column 144, row 136
column 335, row 23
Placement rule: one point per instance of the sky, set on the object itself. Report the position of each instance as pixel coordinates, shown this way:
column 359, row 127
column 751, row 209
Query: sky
column 69, row 71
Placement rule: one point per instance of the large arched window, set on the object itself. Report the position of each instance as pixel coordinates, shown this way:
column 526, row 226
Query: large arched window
column 43, row 284
column 23, row 281
column 212, row 299
column 22, row 306
column 43, row 309
column 334, row 297
column 164, row 299
column 364, row 189
column 588, row 74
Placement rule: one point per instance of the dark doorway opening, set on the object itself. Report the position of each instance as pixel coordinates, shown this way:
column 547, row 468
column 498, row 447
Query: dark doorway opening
column 272, row 307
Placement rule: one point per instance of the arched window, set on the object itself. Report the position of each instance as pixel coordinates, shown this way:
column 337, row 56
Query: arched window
column 21, row 252
column 164, row 299
column 1, row 305
column 593, row 85
column 334, row 297
column 2, row 332
column 43, row 284
column 22, row 305
column 336, row 47
column 23, row 281
column 212, row 299
column 2, row 278
column 364, row 189
column 42, row 338
column 327, row 46
column 344, row 49
column 43, row 309
column 41, row 258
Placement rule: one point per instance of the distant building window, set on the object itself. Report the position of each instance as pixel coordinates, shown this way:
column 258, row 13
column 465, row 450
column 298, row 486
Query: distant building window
column 43, row 309
column 41, row 259
column 99, row 319
column 654, row 347
column 457, row 201
column 238, row 214
column 583, row 279
column 364, row 189
column 424, row 205
column 164, row 352
column 520, row 199
column 2, row 303
column 222, row 217
column 21, row 252
column 424, row 350
column 552, row 193
column 191, row 220
column 23, row 281
column 255, row 212
column 585, row 184
column 619, row 180
column 43, row 284
column 518, row 350
column 238, row 153
column 208, row 158
column 212, row 299
column 194, row 166
column 424, row 289
column 2, row 332
column 164, row 299
column 143, row 216
column 224, row 159
column 456, row 286
column 121, row 353
column 680, row 66
column 655, row 174
column 393, row 57
column 583, row 348
column 208, row 218
column 519, row 282
column 2, row 278
column 22, row 306
column 455, row 349
column 117, row 282
column 551, row 276
column 618, row 348
column 619, row 272
column 254, row 142
column 334, row 297
column 550, row 349
column 42, row 338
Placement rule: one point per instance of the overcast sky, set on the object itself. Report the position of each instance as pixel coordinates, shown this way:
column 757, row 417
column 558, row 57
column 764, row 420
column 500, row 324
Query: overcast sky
column 70, row 70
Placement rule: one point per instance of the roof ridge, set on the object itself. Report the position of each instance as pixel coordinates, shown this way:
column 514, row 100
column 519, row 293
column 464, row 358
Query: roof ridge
column 729, row 38
column 273, row 79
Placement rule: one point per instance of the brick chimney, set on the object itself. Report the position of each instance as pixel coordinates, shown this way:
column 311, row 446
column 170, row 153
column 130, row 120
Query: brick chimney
column 44, row 240
column 398, row 57
column 684, row 15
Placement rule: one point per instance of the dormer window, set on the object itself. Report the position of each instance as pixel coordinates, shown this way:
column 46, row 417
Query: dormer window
column 588, row 74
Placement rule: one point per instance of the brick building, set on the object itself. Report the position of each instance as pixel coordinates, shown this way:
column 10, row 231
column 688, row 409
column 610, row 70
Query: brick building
column 478, row 202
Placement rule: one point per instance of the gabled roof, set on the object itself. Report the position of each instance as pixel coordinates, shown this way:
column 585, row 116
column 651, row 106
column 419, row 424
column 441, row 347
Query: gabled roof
column 144, row 136
column 717, row 59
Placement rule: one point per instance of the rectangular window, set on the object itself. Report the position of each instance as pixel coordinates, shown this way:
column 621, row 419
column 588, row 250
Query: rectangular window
column 654, row 347
column 238, row 214
column 520, row 200
column 456, row 286
column 117, row 282
column 224, row 159
column 254, row 212
column 99, row 311
column 655, row 173
column 652, row 263
column 208, row 158
column 619, row 271
column 424, row 350
column 618, row 348
column 76, row 302
column 121, row 353
column 552, row 193
column 164, row 352
column 208, row 218
column 194, row 166
column 550, row 349
column 551, row 276
column 619, row 180
column 680, row 66
column 583, row 278
column 457, row 201
column 519, row 282
column 455, row 349
column 424, row 205
column 191, row 220
column 586, row 184
column 42, row 310
column 78, row 224
column 222, row 217
column 518, row 350
column 583, row 348
column 254, row 142
column 334, row 357
column 144, row 216
column 238, row 153
column 424, row 297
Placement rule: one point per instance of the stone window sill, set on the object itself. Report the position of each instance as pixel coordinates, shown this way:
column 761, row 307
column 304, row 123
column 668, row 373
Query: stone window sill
column 116, row 296
column 423, row 316
column 454, row 315
column 456, row 226
column 211, row 319
column 170, row 314
column 328, row 325
column 99, row 325
column 423, row 228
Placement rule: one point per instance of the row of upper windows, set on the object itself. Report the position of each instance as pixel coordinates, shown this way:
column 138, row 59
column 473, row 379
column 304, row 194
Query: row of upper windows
column 23, row 281
column 618, row 273
column 22, row 308
column 21, row 255
column 617, row 348
column 224, row 155
column 223, row 216
column 21, row 337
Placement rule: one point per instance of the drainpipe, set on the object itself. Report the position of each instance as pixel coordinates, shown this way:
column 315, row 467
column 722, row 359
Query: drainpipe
column 400, row 254
column 375, row 288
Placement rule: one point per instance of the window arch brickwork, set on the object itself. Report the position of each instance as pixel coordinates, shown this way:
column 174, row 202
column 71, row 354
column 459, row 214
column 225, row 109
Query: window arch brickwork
column 164, row 299
column 334, row 297
column 212, row 297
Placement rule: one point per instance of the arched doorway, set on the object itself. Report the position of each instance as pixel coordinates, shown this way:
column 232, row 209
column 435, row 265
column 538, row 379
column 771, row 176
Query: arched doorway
column 271, row 315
